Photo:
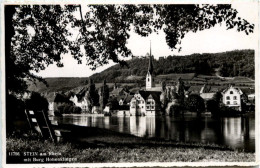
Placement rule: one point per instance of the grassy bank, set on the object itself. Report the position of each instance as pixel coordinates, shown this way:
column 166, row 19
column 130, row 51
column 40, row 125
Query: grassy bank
column 126, row 148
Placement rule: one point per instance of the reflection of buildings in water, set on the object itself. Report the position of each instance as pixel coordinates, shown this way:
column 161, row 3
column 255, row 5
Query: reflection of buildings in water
column 132, row 125
column 207, row 134
column 232, row 131
column 93, row 121
column 81, row 121
column 150, row 125
column 107, row 122
column 121, row 124
column 142, row 126
column 251, row 128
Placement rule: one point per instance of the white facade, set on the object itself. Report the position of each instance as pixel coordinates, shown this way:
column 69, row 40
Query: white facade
column 251, row 96
column 232, row 97
column 51, row 106
column 149, row 81
column 139, row 106
column 96, row 110
column 83, row 104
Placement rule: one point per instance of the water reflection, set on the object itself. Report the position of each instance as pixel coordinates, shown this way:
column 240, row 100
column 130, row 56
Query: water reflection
column 236, row 132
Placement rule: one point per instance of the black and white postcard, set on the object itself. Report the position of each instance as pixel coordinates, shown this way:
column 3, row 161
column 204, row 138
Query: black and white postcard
column 129, row 84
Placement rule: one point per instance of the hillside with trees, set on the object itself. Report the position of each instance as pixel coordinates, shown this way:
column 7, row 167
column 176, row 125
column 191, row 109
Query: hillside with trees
column 193, row 68
column 228, row 64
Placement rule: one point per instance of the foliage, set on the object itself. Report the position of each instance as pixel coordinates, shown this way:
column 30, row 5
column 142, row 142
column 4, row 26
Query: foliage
column 217, row 97
column 69, row 109
column 114, row 104
column 163, row 100
column 92, row 94
column 39, row 34
column 14, row 111
column 228, row 112
column 104, row 95
column 182, row 64
column 195, row 103
column 175, row 109
column 36, row 102
column 213, row 106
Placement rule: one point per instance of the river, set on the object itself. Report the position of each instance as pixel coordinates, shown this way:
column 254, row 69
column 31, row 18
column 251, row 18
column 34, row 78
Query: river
column 235, row 132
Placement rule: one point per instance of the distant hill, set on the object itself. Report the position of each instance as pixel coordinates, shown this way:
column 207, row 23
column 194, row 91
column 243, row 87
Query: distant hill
column 57, row 84
column 195, row 68
column 231, row 63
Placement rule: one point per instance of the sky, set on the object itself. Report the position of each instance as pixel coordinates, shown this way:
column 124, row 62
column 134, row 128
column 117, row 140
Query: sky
column 216, row 39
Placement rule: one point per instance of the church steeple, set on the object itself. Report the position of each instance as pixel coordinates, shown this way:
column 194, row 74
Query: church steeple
column 150, row 68
column 149, row 76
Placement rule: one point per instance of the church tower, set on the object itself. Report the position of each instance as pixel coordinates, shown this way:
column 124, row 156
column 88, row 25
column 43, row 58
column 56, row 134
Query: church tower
column 149, row 76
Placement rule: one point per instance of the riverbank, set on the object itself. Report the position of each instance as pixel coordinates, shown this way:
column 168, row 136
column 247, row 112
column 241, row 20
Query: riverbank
column 108, row 146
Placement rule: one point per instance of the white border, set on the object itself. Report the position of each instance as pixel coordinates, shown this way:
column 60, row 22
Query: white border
column 163, row 164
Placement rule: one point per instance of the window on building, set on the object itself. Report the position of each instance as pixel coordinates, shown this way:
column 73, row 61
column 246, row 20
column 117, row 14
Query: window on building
column 228, row 98
column 228, row 102
column 147, row 107
column 235, row 102
column 231, row 92
column 152, row 108
column 235, row 97
column 148, row 79
column 142, row 106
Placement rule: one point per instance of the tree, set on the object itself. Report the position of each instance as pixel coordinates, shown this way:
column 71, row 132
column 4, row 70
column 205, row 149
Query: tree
column 195, row 103
column 180, row 90
column 37, row 102
column 92, row 94
column 38, row 35
column 217, row 97
column 14, row 112
column 104, row 95
column 213, row 107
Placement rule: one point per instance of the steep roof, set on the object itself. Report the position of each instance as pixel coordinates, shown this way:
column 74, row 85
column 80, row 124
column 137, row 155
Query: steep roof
column 128, row 98
column 154, row 94
column 236, row 88
column 194, row 89
column 82, row 93
column 50, row 96
column 205, row 89
column 248, row 91
column 118, row 90
column 61, row 98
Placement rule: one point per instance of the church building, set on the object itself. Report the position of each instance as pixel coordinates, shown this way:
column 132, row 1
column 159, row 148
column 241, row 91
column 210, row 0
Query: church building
column 150, row 77
column 147, row 102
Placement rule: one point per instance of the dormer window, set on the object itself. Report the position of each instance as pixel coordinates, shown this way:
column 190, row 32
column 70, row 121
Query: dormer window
column 231, row 92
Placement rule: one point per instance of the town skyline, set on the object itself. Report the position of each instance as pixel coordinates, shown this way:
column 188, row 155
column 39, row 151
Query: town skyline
column 199, row 42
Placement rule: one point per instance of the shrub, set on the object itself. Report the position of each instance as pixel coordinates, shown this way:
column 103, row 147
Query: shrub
column 36, row 102
column 76, row 110
column 14, row 112
column 175, row 109
column 195, row 103
column 212, row 106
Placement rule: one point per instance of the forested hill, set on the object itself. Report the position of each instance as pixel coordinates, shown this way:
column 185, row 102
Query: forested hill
column 227, row 64
column 232, row 63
